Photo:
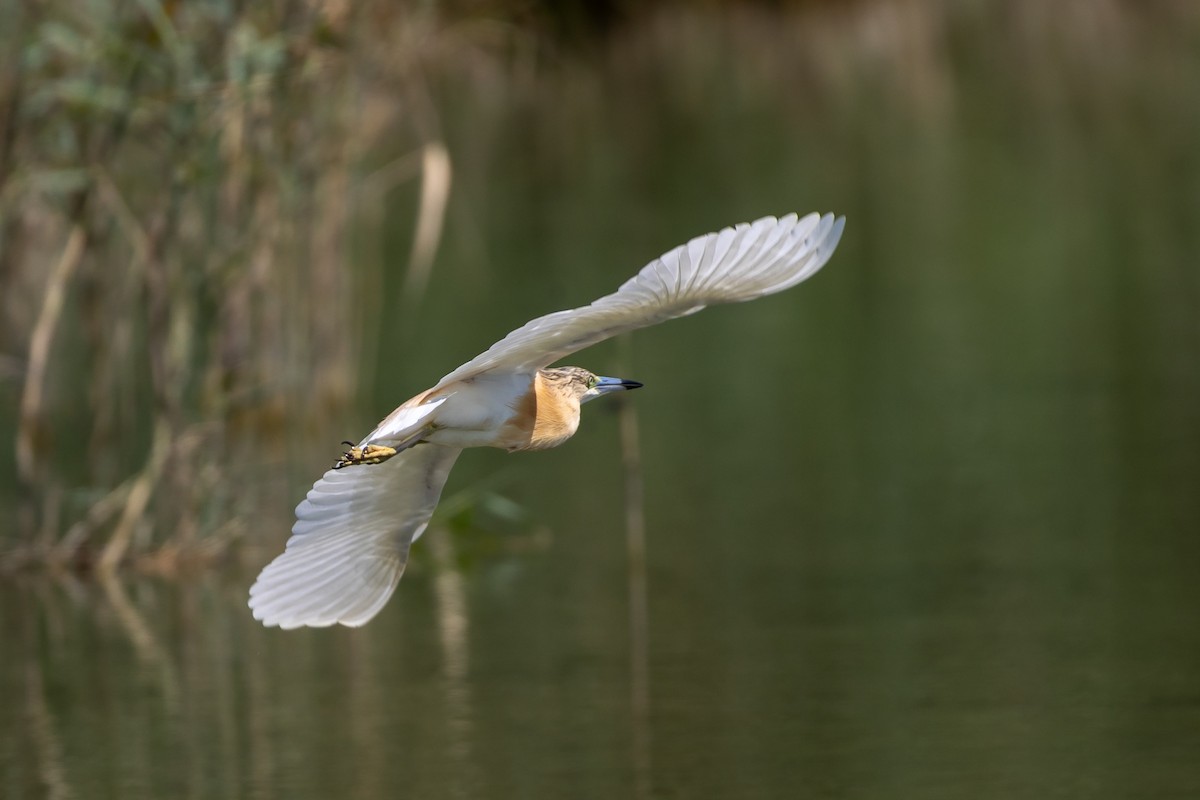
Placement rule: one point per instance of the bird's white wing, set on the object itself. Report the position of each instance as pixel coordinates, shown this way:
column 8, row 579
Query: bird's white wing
column 731, row 266
column 350, row 542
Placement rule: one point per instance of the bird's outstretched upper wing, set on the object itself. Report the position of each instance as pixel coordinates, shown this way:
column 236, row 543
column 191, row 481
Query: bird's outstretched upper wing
column 733, row 265
column 350, row 542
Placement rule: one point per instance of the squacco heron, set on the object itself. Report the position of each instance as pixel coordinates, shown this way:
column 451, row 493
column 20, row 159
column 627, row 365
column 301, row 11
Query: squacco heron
column 353, row 531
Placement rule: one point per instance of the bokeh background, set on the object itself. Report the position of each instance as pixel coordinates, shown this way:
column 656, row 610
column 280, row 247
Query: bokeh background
column 927, row 526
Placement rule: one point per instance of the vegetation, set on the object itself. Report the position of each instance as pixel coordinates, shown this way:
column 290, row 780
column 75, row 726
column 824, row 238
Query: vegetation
column 179, row 184
column 195, row 198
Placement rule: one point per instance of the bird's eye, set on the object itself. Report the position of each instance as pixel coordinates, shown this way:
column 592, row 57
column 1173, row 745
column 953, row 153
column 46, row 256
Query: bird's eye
column 592, row 382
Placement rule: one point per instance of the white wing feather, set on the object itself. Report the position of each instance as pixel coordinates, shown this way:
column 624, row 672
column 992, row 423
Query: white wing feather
column 731, row 266
column 350, row 542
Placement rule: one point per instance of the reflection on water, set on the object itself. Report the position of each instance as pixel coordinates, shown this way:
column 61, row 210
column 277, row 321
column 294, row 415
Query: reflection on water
column 924, row 527
column 772, row 669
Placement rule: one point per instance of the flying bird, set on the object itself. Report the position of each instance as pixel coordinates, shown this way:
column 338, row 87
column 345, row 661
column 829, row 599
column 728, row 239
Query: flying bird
column 353, row 531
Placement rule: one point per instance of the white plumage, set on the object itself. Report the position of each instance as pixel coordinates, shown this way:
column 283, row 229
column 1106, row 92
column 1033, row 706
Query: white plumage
column 736, row 264
column 350, row 541
column 352, row 533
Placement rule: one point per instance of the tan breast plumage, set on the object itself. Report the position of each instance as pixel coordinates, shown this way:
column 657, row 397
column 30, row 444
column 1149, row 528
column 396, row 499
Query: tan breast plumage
column 544, row 417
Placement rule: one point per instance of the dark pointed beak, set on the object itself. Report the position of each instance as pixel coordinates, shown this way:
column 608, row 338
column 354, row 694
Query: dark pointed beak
column 606, row 385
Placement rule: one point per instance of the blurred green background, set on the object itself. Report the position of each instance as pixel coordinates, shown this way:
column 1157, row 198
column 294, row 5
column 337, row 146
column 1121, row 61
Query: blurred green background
column 924, row 527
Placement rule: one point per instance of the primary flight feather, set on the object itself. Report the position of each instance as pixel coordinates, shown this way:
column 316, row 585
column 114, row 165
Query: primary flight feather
column 353, row 531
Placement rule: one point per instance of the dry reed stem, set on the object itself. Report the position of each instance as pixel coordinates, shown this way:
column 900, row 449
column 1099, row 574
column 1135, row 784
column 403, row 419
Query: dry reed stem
column 436, row 174
column 137, row 501
column 97, row 515
column 639, row 624
column 32, row 397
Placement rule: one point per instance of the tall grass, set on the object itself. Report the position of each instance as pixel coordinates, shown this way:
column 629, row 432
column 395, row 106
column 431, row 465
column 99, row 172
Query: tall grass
column 179, row 190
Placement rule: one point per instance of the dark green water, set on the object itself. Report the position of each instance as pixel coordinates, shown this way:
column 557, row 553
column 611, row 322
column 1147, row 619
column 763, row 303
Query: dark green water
column 927, row 526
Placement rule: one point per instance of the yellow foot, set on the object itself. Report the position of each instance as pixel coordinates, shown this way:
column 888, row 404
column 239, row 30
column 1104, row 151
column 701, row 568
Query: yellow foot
column 368, row 454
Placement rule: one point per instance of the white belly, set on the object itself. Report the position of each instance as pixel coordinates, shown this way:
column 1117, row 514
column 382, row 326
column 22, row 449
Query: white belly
column 477, row 411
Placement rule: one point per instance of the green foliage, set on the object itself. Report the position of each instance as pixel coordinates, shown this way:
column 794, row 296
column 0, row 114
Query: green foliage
column 205, row 155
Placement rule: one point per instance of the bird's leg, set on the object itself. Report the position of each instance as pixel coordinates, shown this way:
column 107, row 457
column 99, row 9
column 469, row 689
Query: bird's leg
column 367, row 454
column 376, row 453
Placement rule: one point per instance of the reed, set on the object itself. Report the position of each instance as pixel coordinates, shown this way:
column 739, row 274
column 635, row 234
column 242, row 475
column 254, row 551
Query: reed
column 178, row 189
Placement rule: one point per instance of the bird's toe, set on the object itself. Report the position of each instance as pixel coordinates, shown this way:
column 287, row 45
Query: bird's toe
column 367, row 454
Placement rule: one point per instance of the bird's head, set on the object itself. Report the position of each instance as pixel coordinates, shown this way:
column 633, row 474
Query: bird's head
column 578, row 383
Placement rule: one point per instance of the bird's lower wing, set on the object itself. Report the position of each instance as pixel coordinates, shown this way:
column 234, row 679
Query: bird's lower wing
column 731, row 266
column 350, row 542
